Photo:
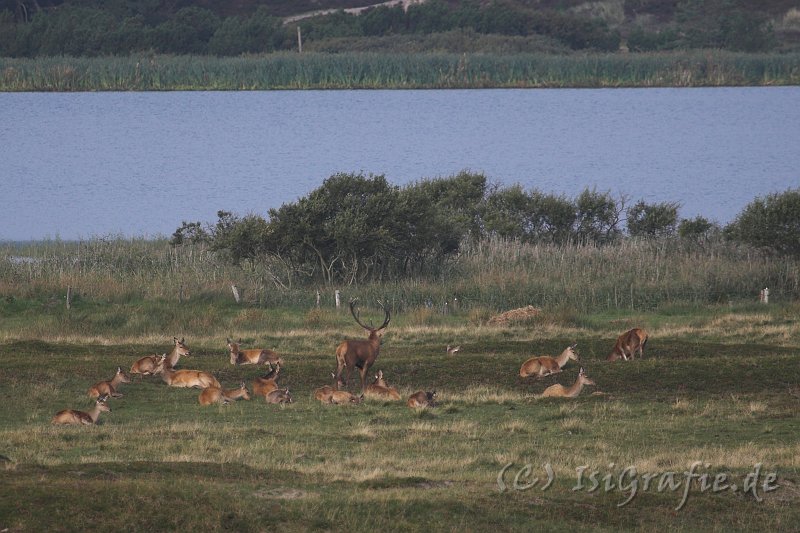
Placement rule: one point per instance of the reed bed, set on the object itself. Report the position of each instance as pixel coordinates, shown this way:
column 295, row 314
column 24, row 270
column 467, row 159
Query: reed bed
column 397, row 71
column 140, row 288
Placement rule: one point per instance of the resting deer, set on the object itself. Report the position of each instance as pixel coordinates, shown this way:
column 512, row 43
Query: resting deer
column 71, row 416
column 341, row 397
column 252, row 356
column 360, row 353
column 186, row 378
column 267, row 383
column 109, row 388
column 545, row 365
column 422, row 399
column 560, row 391
column 452, row 350
column 148, row 365
column 628, row 344
column 217, row 395
column 380, row 390
column 324, row 393
column 279, row 396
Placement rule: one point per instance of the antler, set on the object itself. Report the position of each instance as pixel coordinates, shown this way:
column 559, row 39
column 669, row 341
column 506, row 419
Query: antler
column 355, row 315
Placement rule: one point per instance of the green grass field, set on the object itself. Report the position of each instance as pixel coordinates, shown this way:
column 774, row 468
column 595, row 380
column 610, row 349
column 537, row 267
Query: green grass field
column 719, row 385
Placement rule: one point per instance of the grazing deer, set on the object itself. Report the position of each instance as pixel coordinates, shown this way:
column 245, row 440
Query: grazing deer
column 380, row 390
column 268, row 382
column 323, row 394
column 252, row 356
column 109, row 388
column 422, row 399
column 148, row 365
column 186, row 378
column 560, row 391
column 279, row 396
column 71, row 416
column 628, row 344
column 218, row 395
column 452, row 350
column 545, row 365
column 360, row 353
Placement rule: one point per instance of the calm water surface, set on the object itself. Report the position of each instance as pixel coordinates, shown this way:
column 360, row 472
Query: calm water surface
column 138, row 164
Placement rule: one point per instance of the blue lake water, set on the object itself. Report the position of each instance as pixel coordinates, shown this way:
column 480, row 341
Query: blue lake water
column 138, row 164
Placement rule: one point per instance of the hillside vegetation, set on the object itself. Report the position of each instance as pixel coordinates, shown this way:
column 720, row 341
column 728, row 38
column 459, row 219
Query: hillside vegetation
column 34, row 28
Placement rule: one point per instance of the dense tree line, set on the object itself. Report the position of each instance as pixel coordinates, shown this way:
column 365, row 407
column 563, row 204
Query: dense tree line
column 122, row 27
column 356, row 228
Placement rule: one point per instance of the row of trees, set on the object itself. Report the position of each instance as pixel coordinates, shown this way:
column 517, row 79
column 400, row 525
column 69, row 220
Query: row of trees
column 121, row 28
column 357, row 228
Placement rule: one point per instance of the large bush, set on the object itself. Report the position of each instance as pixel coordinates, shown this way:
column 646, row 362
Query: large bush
column 771, row 222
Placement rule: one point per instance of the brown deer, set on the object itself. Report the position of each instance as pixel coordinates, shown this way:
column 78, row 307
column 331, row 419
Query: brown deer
column 217, row 395
column 71, row 416
column 546, row 365
column 380, row 390
column 560, row 391
column 267, row 383
column 279, row 396
column 628, row 344
column 422, row 399
column 342, row 397
column 252, row 356
column 323, row 394
column 360, row 353
column 109, row 388
column 186, row 378
column 148, row 365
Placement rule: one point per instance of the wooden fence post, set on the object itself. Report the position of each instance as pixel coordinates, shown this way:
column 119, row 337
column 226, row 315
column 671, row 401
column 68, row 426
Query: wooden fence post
column 336, row 294
column 235, row 291
column 69, row 296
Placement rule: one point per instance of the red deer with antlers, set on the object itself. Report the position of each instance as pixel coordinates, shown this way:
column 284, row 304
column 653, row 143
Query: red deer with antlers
column 360, row 353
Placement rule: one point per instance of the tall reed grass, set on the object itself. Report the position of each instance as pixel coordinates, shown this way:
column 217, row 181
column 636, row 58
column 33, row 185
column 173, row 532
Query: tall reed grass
column 492, row 274
column 397, row 71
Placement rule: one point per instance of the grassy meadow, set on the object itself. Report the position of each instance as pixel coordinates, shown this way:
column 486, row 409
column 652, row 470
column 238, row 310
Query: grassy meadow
column 719, row 384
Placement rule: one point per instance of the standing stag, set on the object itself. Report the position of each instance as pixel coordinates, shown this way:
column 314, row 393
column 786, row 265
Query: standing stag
column 360, row 353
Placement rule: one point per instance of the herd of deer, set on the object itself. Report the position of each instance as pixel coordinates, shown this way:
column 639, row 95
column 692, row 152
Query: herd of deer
column 350, row 355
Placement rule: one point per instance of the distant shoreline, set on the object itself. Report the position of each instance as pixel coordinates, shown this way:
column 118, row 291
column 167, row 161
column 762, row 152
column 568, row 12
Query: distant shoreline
column 348, row 71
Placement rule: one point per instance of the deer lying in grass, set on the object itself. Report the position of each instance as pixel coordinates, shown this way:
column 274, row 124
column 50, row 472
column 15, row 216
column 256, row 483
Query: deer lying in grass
column 342, row 397
column 251, row 356
column 452, row 350
column 72, row 416
column 628, row 344
column 267, row 383
column 148, row 365
column 422, row 399
column 213, row 395
column 186, row 378
column 560, row 391
column 380, row 390
column 279, row 396
column 323, row 394
column 546, row 365
column 360, row 353
column 109, row 388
